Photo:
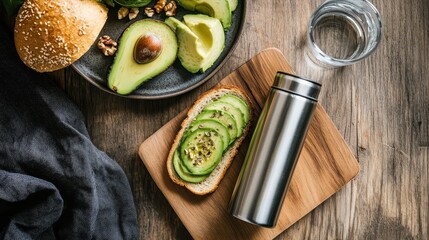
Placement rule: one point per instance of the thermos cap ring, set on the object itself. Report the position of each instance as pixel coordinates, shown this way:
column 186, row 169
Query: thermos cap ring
column 297, row 85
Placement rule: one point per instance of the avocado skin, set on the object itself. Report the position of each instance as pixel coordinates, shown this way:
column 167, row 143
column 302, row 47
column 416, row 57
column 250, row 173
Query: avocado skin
column 126, row 74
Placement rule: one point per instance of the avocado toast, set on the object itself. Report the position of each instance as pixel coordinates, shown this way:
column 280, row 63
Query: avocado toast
column 209, row 138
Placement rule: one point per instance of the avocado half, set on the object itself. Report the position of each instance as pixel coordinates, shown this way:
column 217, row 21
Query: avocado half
column 210, row 32
column 126, row 74
column 191, row 54
column 201, row 41
column 219, row 9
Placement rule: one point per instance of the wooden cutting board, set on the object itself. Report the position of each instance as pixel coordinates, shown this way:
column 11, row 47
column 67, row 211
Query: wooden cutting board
column 325, row 165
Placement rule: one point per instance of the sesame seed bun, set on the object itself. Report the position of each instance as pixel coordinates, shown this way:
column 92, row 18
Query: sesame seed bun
column 52, row 34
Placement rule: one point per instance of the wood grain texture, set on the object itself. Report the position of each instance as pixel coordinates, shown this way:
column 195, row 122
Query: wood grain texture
column 325, row 165
column 379, row 105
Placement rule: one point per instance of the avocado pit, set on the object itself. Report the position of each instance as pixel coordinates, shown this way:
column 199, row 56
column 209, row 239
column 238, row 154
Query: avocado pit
column 147, row 48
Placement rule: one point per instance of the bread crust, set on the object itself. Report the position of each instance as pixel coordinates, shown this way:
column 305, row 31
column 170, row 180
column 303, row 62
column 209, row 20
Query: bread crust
column 211, row 183
column 50, row 35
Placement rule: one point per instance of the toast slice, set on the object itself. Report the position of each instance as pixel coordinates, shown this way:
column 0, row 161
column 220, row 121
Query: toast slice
column 211, row 183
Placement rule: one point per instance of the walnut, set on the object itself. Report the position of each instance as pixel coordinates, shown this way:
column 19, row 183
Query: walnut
column 159, row 6
column 170, row 9
column 123, row 12
column 149, row 12
column 107, row 45
column 133, row 13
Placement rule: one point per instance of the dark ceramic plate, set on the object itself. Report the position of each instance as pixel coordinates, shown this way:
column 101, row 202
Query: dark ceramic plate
column 94, row 66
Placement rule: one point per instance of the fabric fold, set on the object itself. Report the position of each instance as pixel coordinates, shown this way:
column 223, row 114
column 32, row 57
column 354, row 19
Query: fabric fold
column 54, row 183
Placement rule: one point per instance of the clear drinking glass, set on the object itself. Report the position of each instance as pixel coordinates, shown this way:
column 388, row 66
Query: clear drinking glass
column 343, row 32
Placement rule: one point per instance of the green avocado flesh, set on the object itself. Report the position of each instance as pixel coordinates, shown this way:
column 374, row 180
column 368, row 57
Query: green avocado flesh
column 190, row 52
column 201, row 41
column 208, row 136
column 210, row 32
column 183, row 173
column 212, row 124
column 201, row 151
column 238, row 103
column 173, row 22
column 219, row 9
column 133, row 3
column 225, row 118
column 126, row 74
column 233, row 4
column 228, row 108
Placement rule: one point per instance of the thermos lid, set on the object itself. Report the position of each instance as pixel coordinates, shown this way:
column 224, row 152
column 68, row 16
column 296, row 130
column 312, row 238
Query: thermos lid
column 297, row 85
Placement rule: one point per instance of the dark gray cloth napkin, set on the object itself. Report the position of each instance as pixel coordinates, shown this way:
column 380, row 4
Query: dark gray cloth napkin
column 54, row 183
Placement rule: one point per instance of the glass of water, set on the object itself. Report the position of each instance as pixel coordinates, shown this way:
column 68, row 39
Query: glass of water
column 343, row 32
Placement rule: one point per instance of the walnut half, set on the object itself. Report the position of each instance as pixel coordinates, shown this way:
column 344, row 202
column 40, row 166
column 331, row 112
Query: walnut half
column 170, row 9
column 149, row 12
column 133, row 13
column 107, row 45
column 159, row 6
column 123, row 12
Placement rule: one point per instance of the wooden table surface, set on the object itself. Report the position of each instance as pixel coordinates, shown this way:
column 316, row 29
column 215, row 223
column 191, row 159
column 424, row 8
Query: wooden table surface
column 380, row 106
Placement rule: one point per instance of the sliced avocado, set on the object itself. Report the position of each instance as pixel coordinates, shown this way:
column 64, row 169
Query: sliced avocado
column 223, row 117
column 172, row 22
column 211, row 34
column 219, row 9
column 201, row 151
column 126, row 74
column 238, row 103
column 201, row 41
column 183, row 173
column 228, row 108
column 233, row 4
column 191, row 53
column 133, row 3
column 211, row 124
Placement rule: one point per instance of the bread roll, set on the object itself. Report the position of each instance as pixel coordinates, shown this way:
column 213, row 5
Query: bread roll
column 52, row 34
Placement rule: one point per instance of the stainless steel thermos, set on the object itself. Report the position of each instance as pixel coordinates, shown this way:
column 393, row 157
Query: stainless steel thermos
column 274, row 150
